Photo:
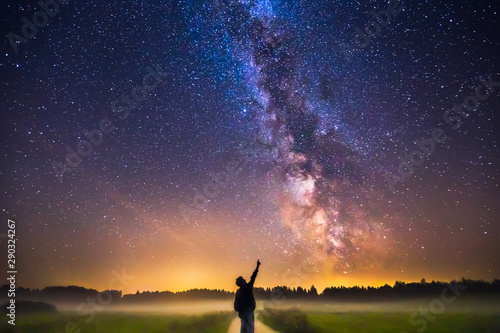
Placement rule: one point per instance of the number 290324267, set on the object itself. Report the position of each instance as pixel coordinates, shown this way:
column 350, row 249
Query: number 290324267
column 11, row 244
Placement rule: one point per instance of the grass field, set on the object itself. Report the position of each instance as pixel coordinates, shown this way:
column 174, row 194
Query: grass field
column 106, row 322
column 295, row 321
column 319, row 318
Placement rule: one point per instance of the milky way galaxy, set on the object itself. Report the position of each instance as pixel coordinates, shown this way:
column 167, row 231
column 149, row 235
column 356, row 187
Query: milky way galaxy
column 326, row 190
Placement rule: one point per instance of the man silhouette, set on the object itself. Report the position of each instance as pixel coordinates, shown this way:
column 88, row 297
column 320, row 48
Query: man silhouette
column 244, row 302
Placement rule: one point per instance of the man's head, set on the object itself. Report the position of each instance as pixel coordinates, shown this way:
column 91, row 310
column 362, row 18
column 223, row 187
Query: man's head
column 240, row 281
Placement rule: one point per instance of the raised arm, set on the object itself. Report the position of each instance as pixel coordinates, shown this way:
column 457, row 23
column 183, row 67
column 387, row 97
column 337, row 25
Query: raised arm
column 255, row 272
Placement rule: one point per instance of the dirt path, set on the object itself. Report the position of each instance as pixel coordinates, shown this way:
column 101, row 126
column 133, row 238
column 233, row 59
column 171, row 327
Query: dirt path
column 259, row 327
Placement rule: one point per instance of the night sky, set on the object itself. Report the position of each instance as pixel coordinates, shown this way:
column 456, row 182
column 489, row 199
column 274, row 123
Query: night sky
column 350, row 142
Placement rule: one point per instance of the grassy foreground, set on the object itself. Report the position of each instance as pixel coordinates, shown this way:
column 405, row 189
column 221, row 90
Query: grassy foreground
column 283, row 321
column 120, row 323
column 294, row 321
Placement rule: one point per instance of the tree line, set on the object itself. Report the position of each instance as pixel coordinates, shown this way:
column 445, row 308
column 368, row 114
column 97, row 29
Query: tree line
column 400, row 290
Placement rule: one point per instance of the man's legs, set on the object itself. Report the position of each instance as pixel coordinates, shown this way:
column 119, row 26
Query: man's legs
column 247, row 322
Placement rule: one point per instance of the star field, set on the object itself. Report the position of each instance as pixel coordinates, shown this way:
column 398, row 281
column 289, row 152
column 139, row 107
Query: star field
column 181, row 140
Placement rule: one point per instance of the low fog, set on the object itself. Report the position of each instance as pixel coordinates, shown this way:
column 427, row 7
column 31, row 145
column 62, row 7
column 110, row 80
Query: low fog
column 266, row 306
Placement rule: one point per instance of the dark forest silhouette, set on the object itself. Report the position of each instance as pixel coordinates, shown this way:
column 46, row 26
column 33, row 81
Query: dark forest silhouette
column 399, row 291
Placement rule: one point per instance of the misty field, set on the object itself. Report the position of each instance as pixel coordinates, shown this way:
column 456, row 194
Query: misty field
column 295, row 321
column 107, row 322
column 466, row 315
